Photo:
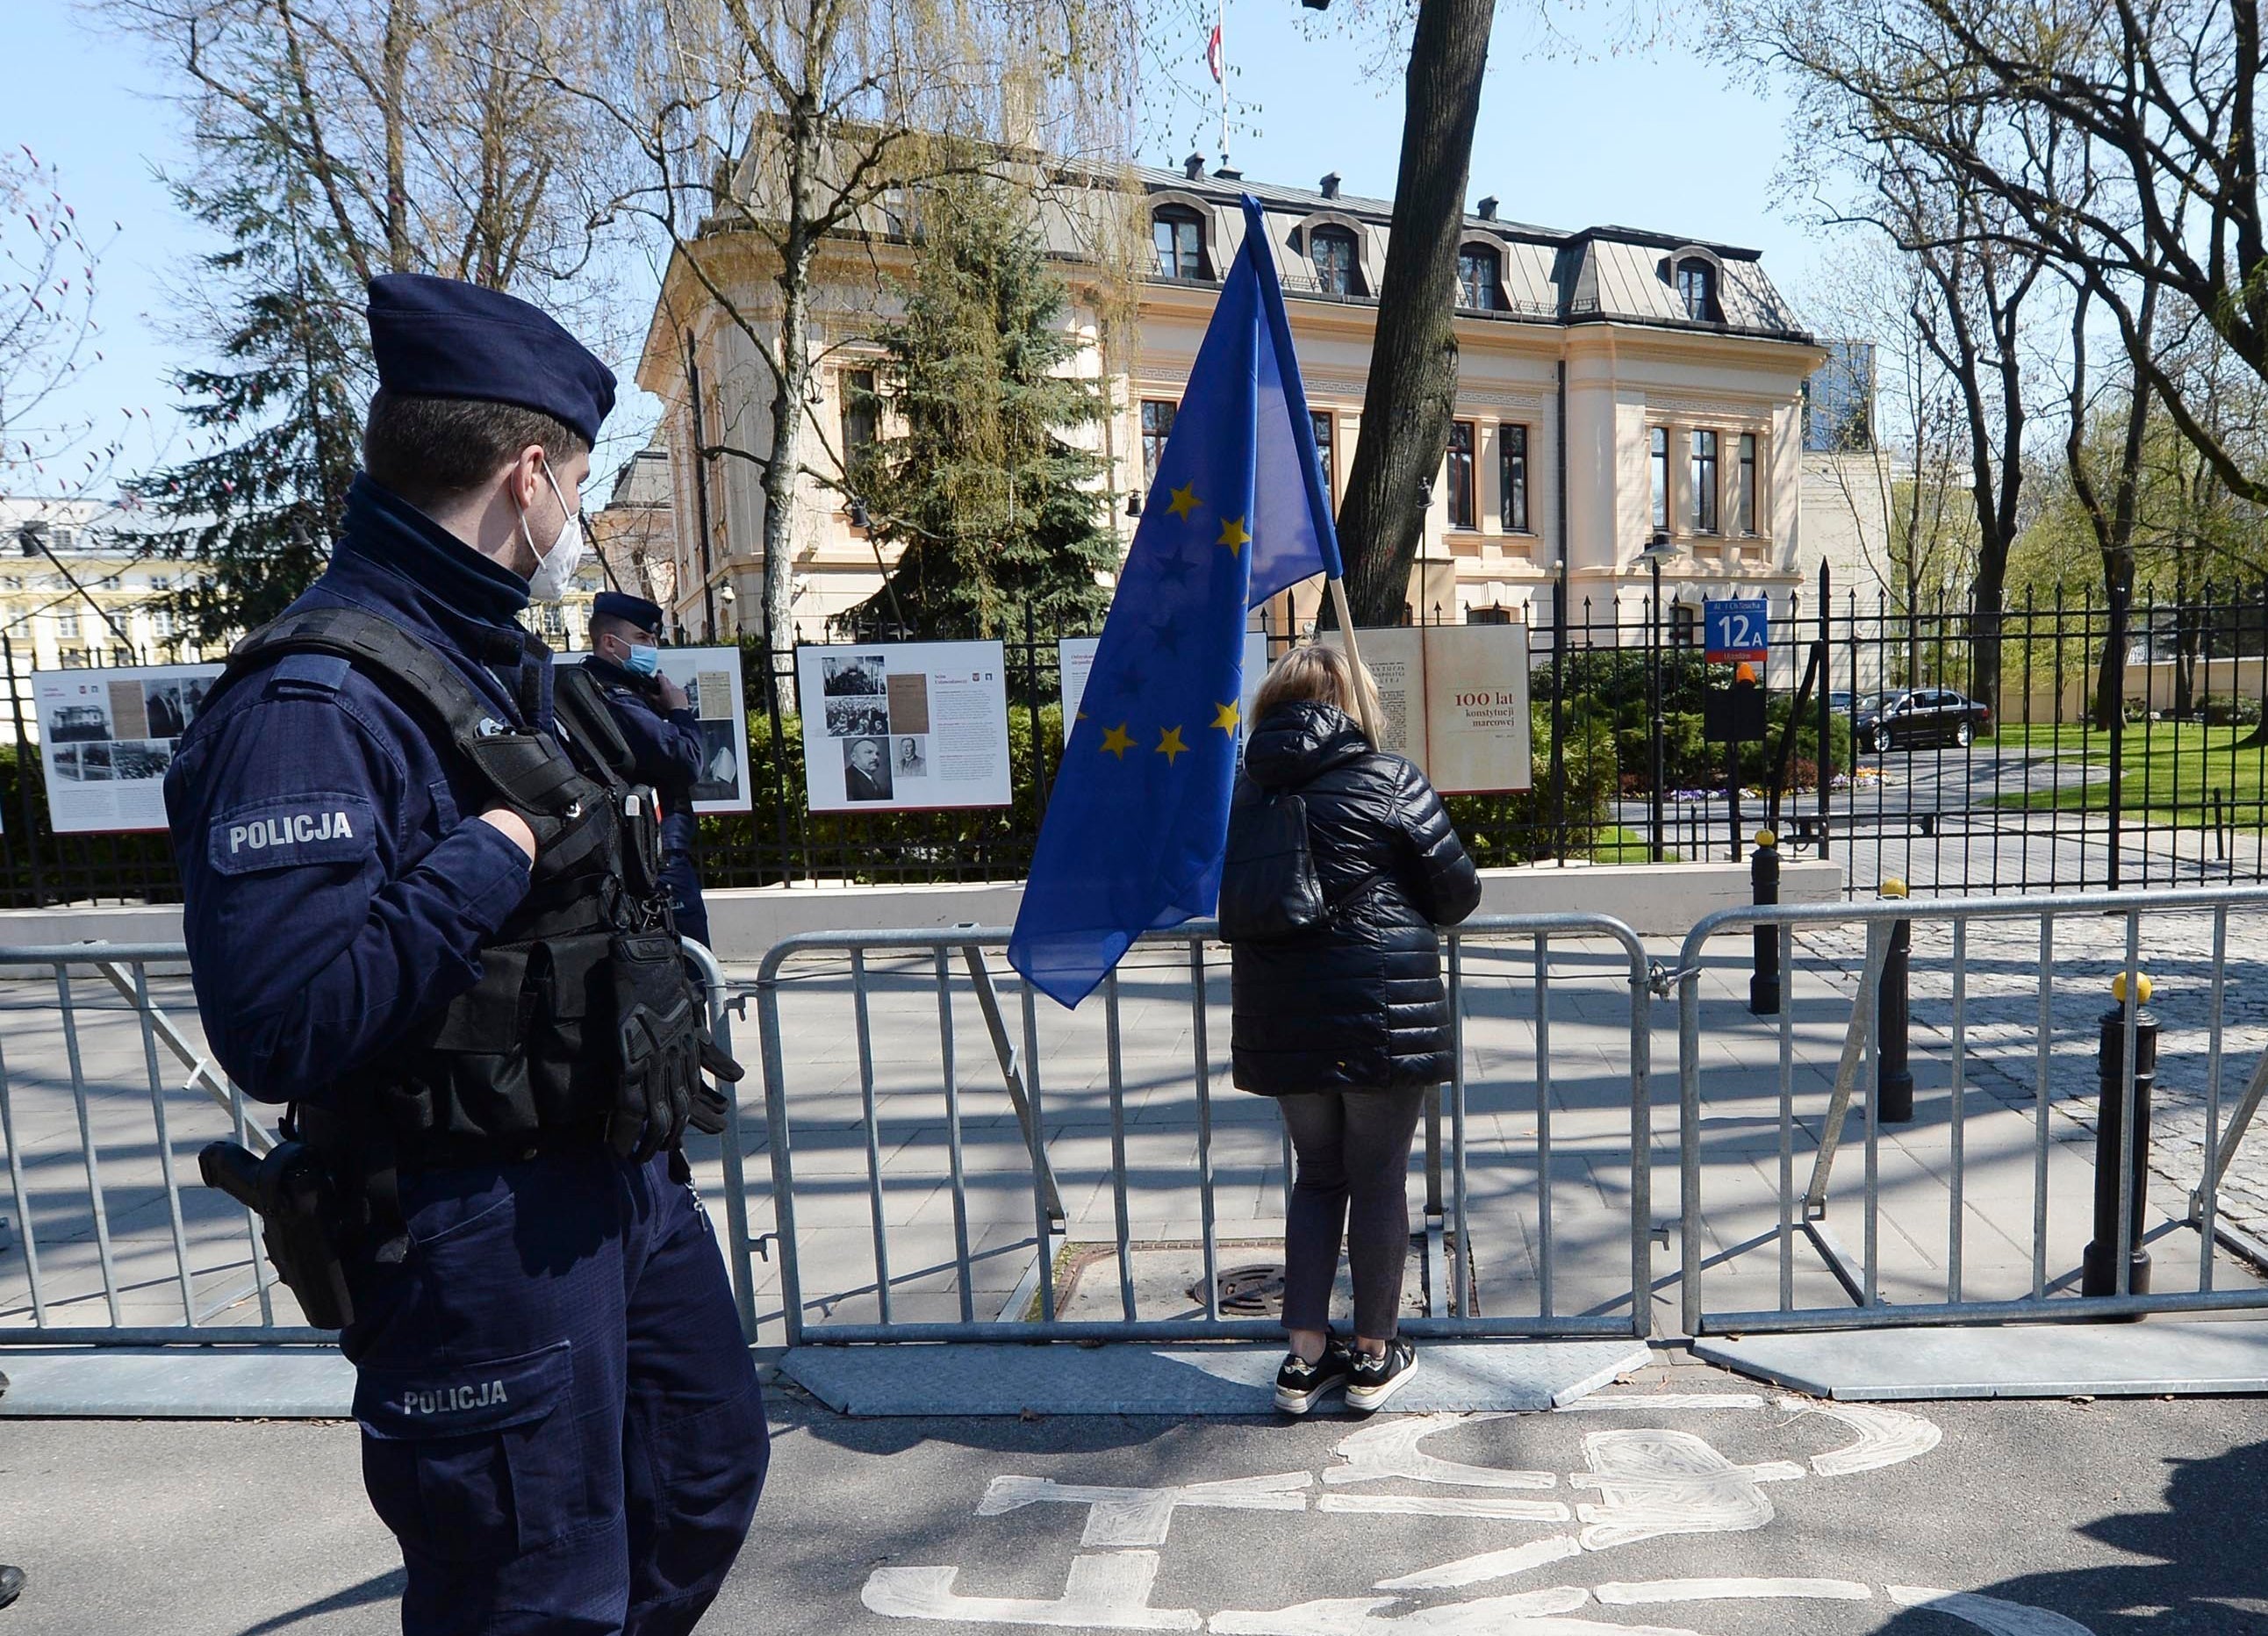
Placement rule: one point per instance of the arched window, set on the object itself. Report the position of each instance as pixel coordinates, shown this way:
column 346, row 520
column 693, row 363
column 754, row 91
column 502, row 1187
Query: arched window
column 1332, row 251
column 1696, row 290
column 1179, row 235
column 1476, row 278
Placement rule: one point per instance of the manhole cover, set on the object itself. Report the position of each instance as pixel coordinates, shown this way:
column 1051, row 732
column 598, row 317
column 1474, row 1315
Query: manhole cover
column 1253, row 1291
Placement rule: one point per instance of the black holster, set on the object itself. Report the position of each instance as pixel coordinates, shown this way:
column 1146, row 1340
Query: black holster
column 300, row 1222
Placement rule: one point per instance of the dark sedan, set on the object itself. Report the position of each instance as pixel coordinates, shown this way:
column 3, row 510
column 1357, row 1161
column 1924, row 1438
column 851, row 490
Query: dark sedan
column 1917, row 716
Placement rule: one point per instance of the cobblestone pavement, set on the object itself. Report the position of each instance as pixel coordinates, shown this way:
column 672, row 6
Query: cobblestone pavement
column 2004, row 963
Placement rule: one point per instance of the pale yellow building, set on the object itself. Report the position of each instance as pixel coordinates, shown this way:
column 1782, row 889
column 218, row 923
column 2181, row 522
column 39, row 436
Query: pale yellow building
column 1613, row 382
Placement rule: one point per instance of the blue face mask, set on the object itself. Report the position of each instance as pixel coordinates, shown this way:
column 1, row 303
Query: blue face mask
column 643, row 661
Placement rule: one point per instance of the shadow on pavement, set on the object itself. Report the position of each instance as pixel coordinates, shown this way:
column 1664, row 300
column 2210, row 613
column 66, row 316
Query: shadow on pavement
column 997, row 1434
column 2200, row 1564
column 384, row 1587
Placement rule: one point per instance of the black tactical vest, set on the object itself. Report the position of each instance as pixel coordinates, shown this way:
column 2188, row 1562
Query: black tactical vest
column 528, row 1053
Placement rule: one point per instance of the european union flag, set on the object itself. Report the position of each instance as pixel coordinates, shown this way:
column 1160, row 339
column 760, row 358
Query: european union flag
column 1236, row 512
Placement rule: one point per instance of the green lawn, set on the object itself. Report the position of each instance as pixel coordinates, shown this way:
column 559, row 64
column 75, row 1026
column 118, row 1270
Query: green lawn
column 2016, row 737
column 2171, row 778
column 1619, row 845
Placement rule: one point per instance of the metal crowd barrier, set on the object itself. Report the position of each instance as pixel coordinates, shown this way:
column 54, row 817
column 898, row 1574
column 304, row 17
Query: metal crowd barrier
column 238, row 1298
column 1454, row 1290
column 1803, row 1210
column 110, row 1240
column 137, row 1195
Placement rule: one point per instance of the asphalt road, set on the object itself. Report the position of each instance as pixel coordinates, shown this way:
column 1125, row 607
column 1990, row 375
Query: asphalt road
column 1701, row 1503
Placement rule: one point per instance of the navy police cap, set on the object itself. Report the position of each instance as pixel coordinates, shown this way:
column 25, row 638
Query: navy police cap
column 620, row 605
column 442, row 338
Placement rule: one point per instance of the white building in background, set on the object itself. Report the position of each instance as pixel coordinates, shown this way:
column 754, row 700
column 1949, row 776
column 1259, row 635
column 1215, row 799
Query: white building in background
column 81, row 587
column 1849, row 479
column 636, row 530
column 77, row 589
column 1614, row 382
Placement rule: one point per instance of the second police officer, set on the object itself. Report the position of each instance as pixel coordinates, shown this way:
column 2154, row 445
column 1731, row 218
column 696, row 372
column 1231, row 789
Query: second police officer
column 421, row 909
column 656, row 719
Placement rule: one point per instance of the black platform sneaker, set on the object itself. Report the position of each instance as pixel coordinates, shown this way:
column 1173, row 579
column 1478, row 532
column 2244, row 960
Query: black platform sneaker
column 1374, row 1379
column 1299, row 1384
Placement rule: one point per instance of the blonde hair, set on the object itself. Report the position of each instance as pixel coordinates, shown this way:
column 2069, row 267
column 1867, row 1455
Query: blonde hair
column 1323, row 674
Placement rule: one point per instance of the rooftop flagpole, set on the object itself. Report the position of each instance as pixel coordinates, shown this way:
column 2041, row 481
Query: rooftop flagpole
column 1217, row 60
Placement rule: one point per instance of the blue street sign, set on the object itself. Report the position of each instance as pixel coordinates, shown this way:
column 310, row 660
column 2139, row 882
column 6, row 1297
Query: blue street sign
column 1736, row 629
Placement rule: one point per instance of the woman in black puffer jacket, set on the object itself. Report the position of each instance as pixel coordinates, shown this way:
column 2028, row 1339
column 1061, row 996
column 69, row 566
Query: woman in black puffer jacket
column 1347, row 1023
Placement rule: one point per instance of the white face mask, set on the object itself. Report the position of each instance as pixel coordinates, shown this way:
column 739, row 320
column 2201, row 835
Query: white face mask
column 555, row 569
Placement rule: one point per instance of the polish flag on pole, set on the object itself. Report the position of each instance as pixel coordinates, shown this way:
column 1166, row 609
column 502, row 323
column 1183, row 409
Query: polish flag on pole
column 1212, row 54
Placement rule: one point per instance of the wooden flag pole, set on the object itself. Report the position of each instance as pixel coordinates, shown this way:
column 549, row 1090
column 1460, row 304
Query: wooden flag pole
column 1361, row 694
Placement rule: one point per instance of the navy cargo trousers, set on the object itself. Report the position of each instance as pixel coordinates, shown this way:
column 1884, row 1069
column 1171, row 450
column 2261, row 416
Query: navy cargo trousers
column 561, row 1423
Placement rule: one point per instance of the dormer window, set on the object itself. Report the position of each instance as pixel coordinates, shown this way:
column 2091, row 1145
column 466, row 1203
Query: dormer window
column 1476, row 278
column 1696, row 290
column 1332, row 251
column 1179, row 235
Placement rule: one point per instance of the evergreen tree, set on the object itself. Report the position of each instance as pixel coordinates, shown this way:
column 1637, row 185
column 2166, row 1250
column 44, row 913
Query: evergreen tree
column 335, row 140
column 278, row 415
column 993, row 511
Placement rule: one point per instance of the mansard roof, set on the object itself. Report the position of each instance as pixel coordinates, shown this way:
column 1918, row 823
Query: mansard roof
column 1590, row 274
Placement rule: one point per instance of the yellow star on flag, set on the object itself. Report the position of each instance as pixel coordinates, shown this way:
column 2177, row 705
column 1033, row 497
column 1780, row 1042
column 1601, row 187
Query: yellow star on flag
column 1232, row 534
column 1170, row 745
column 1184, row 501
column 1225, row 717
column 1117, row 742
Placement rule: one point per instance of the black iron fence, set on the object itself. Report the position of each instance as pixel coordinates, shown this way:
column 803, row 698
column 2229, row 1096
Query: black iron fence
column 2068, row 743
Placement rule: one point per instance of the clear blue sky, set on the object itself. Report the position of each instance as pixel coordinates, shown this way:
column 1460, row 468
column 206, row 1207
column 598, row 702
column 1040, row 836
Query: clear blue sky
column 1655, row 139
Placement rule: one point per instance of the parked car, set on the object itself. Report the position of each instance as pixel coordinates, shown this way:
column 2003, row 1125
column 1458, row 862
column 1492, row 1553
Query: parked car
column 1918, row 716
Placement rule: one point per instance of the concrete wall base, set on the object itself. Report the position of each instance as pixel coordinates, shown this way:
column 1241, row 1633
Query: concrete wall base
column 1654, row 899
column 1661, row 900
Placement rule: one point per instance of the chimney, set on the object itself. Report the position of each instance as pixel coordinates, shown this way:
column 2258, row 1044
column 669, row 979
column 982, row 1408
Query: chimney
column 1193, row 166
column 1488, row 209
column 1331, row 185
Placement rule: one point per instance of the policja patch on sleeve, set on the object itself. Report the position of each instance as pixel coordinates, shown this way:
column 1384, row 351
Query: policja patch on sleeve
column 287, row 832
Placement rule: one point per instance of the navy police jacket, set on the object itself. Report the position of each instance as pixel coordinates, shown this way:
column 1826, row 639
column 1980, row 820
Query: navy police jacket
column 337, row 882
column 664, row 746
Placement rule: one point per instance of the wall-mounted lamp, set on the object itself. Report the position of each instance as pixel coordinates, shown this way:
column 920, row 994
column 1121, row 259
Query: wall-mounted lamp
column 1134, row 503
column 858, row 513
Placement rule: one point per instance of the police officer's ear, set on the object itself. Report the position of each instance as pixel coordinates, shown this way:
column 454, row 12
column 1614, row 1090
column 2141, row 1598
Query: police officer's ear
column 523, row 483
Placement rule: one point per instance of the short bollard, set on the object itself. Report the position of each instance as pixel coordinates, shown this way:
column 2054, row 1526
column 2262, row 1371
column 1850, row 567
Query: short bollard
column 2100, row 1276
column 1893, row 1084
column 1764, row 882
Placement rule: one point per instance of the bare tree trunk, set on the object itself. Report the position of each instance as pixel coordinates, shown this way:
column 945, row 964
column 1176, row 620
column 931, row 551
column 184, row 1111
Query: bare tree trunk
column 784, row 461
column 401, row 29
column 781, row 464
column 1413, row 363
column 2113, row 522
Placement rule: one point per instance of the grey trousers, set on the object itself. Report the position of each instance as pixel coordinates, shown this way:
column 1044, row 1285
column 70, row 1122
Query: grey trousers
column 1354, row 1149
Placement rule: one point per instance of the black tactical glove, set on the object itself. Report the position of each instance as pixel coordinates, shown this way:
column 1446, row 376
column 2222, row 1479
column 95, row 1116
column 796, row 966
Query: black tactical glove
column 709, row 1104
column 664, row 1045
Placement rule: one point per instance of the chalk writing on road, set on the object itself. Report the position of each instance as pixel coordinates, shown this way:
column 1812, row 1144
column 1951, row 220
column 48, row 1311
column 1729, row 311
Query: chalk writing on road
column 1642, row 1482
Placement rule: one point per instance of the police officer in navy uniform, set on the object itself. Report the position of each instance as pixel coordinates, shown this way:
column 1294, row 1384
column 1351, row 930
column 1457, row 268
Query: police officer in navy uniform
column 415, row 911
column 656, row 719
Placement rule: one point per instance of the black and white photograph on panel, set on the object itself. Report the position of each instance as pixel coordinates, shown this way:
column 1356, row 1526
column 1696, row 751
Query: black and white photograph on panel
column 848, row 675
column 866, row 769
column 857, row 717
